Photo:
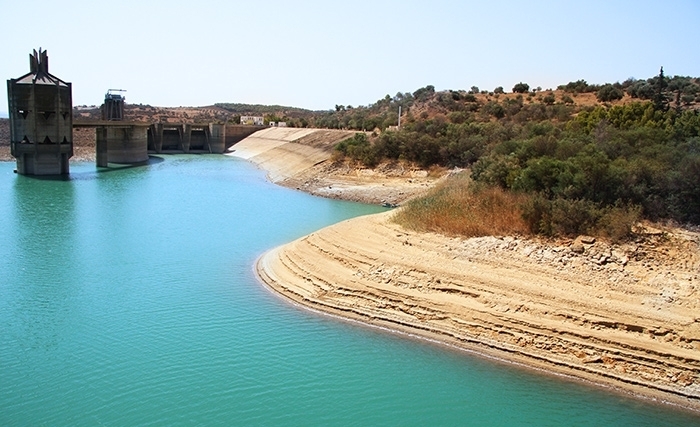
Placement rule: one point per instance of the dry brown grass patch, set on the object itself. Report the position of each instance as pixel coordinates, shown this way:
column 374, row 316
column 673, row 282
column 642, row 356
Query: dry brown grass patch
column 459, row 209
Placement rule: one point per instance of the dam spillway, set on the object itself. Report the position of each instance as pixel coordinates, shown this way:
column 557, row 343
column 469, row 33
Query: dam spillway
column 127, row 142
column 187, row 138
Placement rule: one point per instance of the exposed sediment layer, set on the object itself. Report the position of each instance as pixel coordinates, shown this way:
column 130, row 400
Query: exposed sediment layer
column 613, row 315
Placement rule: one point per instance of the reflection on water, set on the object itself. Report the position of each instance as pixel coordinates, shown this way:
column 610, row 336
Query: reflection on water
column 43, row 235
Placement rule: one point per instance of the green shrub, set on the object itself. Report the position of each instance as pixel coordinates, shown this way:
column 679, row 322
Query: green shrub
column 537, row 214
column 609, row 93
column 562, row 217
column 358, row 148
column 521, row 87
column 549, row 98
column 469, row 97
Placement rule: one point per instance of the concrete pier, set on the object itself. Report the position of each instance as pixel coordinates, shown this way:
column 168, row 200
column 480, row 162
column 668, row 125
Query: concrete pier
column 132, row 142
column 126, row 144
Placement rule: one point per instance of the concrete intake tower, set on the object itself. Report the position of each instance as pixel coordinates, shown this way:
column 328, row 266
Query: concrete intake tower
column 41, row 120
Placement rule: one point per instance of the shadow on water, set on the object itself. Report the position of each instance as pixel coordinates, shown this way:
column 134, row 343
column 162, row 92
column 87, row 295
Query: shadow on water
column 114, row 167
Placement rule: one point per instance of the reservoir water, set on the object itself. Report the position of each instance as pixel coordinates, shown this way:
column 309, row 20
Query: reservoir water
column 127, row 297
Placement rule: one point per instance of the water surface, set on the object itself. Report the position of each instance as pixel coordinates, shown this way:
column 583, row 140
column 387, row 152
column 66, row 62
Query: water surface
column 127, row 297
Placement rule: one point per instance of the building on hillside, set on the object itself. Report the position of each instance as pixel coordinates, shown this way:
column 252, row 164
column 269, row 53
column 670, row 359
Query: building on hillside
column 278, row 124
column 252, row 120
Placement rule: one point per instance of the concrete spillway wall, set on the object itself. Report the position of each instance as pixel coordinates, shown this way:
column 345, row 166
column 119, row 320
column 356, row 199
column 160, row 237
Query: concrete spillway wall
column 285, row 152
column 190, row 138
column 236, row 133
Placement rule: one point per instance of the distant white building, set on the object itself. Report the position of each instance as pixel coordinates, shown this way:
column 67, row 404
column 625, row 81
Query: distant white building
column 252, row 120
column 278, row 124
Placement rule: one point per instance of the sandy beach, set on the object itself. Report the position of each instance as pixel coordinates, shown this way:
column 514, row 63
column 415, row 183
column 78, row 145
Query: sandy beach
column 624, row 316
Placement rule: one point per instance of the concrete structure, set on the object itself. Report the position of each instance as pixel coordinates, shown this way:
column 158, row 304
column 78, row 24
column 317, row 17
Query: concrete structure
column 237, row 133
column 113, row 108
column 186, row 138
column 117, row 141
column 41, row 127
column 195, row 137
column 132, row 142
column 41, row 120
column 126, row 144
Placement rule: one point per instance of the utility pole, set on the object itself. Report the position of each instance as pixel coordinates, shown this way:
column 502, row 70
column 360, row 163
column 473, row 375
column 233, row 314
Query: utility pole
column 399, row 126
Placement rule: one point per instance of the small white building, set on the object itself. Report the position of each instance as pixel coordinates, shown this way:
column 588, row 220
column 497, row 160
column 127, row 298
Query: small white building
column 252, row 120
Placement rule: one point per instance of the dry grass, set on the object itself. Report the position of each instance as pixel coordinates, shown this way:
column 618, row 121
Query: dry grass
column 457, row 208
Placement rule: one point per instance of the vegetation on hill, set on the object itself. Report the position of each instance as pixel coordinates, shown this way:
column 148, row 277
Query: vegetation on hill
column 632, row 153
column 294, row 117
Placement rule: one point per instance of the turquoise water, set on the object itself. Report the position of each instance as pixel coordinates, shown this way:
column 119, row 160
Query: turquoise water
column 127, row 297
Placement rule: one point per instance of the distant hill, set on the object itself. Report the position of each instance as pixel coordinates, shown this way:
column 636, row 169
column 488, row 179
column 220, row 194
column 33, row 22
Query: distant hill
column 474, row 104
column 250, row 109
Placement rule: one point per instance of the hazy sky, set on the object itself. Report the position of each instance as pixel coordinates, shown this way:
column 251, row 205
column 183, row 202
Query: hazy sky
column 315, row 54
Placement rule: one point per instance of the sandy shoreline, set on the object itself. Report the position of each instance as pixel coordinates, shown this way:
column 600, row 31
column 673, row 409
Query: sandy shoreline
column 604, row 324
column 626, row 317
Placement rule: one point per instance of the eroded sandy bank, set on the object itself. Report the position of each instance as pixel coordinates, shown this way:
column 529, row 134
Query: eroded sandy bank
column 627, row 316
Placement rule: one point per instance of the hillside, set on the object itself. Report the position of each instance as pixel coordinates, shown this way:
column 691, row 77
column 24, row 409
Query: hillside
column 585, row 156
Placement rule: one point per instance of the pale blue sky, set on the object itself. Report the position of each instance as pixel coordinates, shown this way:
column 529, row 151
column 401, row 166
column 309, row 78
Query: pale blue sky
column 315, row 54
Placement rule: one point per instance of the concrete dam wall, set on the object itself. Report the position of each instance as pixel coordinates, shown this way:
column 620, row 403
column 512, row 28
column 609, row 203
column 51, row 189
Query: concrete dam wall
column 285, row 152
